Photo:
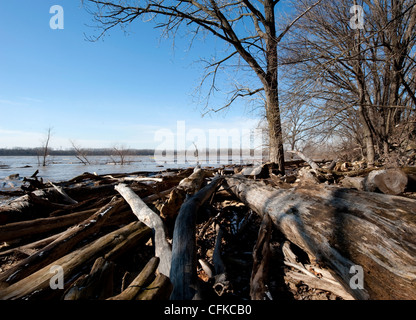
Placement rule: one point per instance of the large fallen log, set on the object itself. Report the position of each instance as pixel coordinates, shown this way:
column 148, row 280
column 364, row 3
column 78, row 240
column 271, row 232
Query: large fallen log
column 162, row 247
column 345, row 229
column 192, row 183
column 183, row 269
column 308, row 160
column 139, row 282
column 63, row 245
column 40, row 281
column 312, row 276
column 159, row 289
column 17, row 230
column 188, row 185
column 97, row 285
column 30, row 205
column 388, row 181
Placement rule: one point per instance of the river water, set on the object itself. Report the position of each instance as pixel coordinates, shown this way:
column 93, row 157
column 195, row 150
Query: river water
column 61, row 168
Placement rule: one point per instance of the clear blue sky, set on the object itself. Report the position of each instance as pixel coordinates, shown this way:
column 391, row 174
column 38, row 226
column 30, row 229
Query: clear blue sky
column 116, row 91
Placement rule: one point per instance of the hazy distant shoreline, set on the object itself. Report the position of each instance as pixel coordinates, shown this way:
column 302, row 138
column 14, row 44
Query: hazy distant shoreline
column 104, row 152
column 71, row 152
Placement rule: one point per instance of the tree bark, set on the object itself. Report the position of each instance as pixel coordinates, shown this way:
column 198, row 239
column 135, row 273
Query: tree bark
column 275, row 127
column 388, row 181
column 71, row 263
column 61, row 246
column 97, row 285
column 261, row 257
column 308, row 160
column 139, row 282
column 18, row 230
column 221, row 283
column 152, row 220
column 159, row 289
column 188, row 185
column 343, row 228
column 183, row 270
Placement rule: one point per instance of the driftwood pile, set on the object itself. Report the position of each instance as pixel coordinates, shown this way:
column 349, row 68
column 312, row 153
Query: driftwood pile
column 318, row 232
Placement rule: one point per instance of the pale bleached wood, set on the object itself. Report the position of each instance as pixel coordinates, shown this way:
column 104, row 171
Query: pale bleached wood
column 64, row 195
column 388, row 181
column 317, row 283
column 163, row 248
column 353, row 182
column 308, row 160
column 325, row 282
column 192, row 183
column 206, row 266
column 343, row 228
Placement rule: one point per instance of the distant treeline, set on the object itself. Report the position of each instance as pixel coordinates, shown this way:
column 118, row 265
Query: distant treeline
column 71, row 152
column 108, row 152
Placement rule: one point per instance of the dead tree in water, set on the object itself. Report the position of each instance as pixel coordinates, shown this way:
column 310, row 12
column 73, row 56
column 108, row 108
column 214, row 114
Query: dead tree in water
column 44, row 149
column 80, row 154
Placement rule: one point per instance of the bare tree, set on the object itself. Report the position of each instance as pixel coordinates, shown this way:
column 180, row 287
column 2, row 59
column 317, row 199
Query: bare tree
column 248, row 29
column 43, row 151
column 80, row 154
column 122, row 152
column 366, row 71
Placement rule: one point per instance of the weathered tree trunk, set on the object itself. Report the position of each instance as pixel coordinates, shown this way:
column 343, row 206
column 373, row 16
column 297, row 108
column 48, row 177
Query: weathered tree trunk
column 18, row 230
column 344, row 228
column 70, row 264
column 271, row 88
column 261, row 257
column 159, row 289
column 353, row 182
column 153, row 221
column 188, row 185
column 276, row 152
column 362, row 110
column 309, row 275
column 61, row 246
column 128, row 244
column 368, row 137
column 62, row 192
column 221, row 283
column 183, row 270
column 139, row 282
column 27, row 207
column 97, row 285
column 308, row 160
column 388, row 181
column 32, row 247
